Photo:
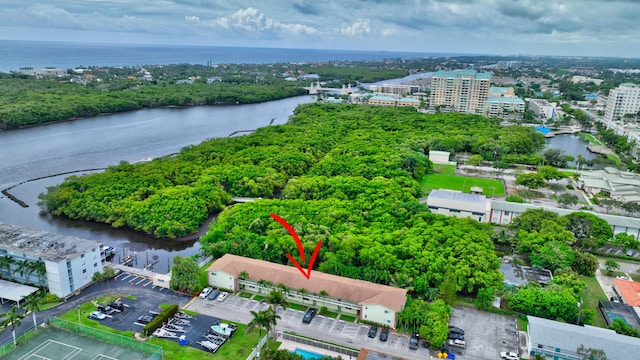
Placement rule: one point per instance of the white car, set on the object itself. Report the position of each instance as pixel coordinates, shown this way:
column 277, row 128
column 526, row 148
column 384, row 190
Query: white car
column 223, row 295
column 97, row 315
column 621, row 277
column 205, row 292
column 508, row 355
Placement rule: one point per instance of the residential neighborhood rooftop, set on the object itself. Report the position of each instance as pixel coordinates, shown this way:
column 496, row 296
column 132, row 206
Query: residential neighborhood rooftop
column 356, row 291
column 42, row 244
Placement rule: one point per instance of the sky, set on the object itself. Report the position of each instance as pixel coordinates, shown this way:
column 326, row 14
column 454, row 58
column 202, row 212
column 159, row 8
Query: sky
column 501, row 27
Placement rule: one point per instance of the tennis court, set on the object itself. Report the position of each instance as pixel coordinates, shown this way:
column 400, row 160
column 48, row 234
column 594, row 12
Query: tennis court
column 56, row 344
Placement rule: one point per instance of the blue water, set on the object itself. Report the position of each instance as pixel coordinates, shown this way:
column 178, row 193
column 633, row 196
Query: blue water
column 39, row 54
column 307, row 355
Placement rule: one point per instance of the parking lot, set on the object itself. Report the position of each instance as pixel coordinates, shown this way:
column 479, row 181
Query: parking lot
column 135, row 280
column 324, row 328
column 486, row 334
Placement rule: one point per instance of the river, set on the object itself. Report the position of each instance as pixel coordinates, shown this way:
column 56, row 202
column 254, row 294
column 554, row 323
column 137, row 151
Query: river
column 101, row 141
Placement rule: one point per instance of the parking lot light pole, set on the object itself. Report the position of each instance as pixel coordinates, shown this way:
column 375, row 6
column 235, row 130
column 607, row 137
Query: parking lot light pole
column 78, row 314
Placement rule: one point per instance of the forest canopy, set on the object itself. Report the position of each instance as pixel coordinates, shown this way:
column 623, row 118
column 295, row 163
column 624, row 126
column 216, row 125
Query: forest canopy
column 344, row 174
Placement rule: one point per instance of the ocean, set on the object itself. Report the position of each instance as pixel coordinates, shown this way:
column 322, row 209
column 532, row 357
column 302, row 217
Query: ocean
column 40, row 54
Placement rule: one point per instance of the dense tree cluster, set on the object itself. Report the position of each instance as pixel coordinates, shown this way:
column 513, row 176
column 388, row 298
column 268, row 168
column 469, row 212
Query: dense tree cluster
column 344, row 174
column 555, row 242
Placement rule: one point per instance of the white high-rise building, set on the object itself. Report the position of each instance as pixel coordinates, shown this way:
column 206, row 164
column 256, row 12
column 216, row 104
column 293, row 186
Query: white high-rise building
column 462, row 91
column 625, row 99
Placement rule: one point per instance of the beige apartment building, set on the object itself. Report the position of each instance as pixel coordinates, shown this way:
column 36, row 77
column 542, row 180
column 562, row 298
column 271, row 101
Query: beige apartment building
column 462, row 91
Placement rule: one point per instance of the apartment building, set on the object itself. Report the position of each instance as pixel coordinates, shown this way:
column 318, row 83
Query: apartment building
column 394, row 89
column 462, row 91
column 69, row 261
column 502, row 103
column 542, row 109
column 625, row 99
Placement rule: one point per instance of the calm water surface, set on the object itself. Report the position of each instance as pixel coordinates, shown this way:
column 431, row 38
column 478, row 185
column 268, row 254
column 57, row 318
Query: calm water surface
column 106, row 140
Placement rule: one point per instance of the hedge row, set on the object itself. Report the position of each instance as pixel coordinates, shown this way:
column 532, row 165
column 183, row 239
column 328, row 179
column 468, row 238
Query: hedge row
column 159, row 320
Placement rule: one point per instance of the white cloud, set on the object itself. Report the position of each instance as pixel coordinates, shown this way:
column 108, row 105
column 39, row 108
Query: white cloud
column 358, row 28
column 252, row 22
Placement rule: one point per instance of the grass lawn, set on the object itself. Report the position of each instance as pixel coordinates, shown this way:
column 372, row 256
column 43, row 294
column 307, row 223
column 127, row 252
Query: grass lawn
column 245, row 295
column 455, row 182
column 258, row 298
column 522, row 324
column 328, row 313
column 348, row 318
column 297, row 307
column 589, row 138
column 590, row 295
column 238, row 347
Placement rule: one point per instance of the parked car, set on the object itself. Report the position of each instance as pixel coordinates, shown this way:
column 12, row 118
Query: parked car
column 117, row 305
column 205, row 292
column 622, row 277
column 145, row 319
column 384, row 334
column 455, row 336
column 373, row 331
column 425, row 344
column 214, row 294
column 106, row 309
column 414, row 340
column 456, row 343
column 97, row 315
column 308, row 316
column 455, row 329
column 223, row 296
column 508, row 355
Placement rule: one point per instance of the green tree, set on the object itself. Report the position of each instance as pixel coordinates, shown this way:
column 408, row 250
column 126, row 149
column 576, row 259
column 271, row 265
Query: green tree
column 588, row 229
column 32, row 303
column 549, row 173
column 566, row 200
column 12, row 318
column 97, row 277
column 611, row 265
column 621, row 327
column 590, row 353
column 184, row 274
column 530, row 181
column 475, row 160
column 584, row 263
column 484, row 299
column 448, row 288
column 107, row 274
column 552, row 255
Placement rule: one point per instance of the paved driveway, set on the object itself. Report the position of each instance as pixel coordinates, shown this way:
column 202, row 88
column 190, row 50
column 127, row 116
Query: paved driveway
column 336, row 331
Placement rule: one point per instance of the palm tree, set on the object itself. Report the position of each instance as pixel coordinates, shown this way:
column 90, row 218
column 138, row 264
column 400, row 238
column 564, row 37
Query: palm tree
column 302, row 293
column 276, row 298
column 272, row 320
column 261, row 319
column 5, row 263
column 97, row 277
column 402, row 281
column 284, row 289
column 243, row 275
column 22, row 267
column 323, row 294
column 12, row 318
column 41, row 270
column 4, row 260
column 263, row 284
column 32, row 303
column 108, row 273
column 32, row 267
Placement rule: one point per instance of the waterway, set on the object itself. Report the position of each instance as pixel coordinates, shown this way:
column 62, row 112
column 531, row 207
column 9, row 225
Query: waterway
column 570, row 145
column 99, row 142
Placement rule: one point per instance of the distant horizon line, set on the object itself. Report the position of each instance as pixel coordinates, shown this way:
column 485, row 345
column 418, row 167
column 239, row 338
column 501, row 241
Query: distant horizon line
column 433, row 53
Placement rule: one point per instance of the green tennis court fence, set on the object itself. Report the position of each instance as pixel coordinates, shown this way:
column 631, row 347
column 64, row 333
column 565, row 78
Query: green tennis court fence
column 154, row 351
column 21, row 339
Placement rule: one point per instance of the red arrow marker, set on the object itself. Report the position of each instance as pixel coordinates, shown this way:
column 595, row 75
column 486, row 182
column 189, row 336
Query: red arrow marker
column 293, row 234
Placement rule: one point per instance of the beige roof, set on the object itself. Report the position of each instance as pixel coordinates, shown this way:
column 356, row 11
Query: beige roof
column 357, row 291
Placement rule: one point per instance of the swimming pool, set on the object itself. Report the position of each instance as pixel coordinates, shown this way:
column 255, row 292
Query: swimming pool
column 307, row 355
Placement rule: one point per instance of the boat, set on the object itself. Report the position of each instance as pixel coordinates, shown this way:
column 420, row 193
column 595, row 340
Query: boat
column 107, row 252
column 224, row 329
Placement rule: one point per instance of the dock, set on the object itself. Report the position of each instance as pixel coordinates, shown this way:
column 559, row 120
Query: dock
column 131, row 270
